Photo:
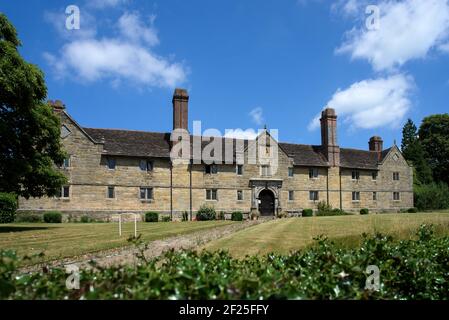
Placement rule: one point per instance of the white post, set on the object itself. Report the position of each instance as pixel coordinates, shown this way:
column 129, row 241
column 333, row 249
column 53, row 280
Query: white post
column 120, row 225
column 135, row 225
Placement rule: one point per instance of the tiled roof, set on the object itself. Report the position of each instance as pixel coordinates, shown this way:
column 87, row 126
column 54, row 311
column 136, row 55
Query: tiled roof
column 157, row 144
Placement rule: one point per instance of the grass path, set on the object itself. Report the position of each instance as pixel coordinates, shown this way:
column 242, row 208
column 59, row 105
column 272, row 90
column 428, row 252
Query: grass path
column 284, row 235
column 72, row 239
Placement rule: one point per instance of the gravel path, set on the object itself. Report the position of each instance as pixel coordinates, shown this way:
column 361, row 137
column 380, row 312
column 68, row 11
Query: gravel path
column 127, row 255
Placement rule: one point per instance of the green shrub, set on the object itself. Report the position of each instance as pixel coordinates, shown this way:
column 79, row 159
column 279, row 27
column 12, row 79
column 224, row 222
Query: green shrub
column 29, row 217
column 85, row 219
column 307, row 213
column 185, row 216
column 326, row 210
column 205, row 213
column 237, row 216
column 364, row 211
column 151, row 216
column 53, row 217
column 432, row 196
column 323, row 208
column 166, row 219
column 412, row 210
column 8, row 207
column 414, row 269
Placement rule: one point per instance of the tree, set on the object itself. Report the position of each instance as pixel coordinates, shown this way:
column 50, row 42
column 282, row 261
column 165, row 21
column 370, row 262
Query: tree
column 414, row 153
column 29, row 131
column 434, row 138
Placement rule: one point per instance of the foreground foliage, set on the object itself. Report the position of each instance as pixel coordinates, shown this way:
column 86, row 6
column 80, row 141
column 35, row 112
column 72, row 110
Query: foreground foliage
column 8, row 207
column 412, row 269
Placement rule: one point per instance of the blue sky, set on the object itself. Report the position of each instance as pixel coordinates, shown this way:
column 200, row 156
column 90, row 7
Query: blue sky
column 244, row 63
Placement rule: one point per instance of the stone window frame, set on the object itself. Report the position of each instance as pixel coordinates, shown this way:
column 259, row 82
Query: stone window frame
column 398, row 196
column 61, row 193
column 374, row 195
column 396, row 176
column 291, row 195
column 210, row 194
column 355, row 175
column 67, row 162
column 314, row 195
column 146, row 165
column 314, row 173
column 268, row 172
column 146, row 198
column 240, row 192
column 238, row 171
column 356, row 196
column 212, row 168
column 291, row 172
column 109, row 162
column 108, row 192
column 374, row 175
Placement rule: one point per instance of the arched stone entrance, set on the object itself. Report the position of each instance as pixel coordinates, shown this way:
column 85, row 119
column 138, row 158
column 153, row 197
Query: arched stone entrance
column 266, row 203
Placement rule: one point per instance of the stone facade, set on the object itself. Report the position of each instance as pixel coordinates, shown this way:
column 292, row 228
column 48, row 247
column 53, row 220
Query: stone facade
column 380, row 180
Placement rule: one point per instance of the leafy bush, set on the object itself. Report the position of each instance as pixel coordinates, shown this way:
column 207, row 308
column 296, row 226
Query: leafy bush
column 53, row 217
column 185, row 216
column 237, row 216
column 410, row 270
column 364, row 211
column 8, row 207
column 432, row 196
column 151, row 216
column 205, row 213
column 85, row 219
column 328, row 211
column 166, row 219
column 323, row 208
column 412, row 210
column 29, row 217
column 307, row 213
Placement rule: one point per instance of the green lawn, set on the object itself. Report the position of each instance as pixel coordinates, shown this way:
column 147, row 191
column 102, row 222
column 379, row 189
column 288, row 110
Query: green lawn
column 72, row 239
column 284, row 235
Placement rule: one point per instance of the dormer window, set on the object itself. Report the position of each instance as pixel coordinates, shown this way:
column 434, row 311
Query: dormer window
column 110, row 163
column 355, row 175
column 313, row 173
column 211, row 169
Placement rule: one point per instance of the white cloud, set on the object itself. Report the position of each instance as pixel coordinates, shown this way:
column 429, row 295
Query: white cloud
column 58, row 20
column 444, row 47
column 135, row 30
column 249, row 134
column 128, row 57
column 408, row 30
column 257, row 115
column 372, row 103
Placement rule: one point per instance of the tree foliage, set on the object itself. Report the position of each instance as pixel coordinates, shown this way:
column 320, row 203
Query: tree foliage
column 29, row 131
column 434, row 138
column 414, row 153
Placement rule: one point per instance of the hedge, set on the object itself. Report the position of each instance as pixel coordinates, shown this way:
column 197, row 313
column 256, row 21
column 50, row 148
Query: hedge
column 206, row 213
column 53, row 217
column 8, row 207
column 237, row 216
column 151, row 216
column 307, row 213
column 409, row 270
column 29, row 217
column 364, row 211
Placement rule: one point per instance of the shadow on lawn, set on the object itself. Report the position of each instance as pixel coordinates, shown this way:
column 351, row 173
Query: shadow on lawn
column 5, row 229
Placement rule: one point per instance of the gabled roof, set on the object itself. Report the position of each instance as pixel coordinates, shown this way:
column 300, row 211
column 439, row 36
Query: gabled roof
column 358, row 159
column 157, row 144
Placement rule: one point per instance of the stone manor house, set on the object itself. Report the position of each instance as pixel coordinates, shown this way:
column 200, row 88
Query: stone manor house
column 124, row 171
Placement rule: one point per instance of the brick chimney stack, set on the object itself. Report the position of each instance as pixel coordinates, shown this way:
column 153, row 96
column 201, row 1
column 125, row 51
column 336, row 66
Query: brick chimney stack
column 376, row 144
column 180, row 109
column 57, row 105
column 329, row 136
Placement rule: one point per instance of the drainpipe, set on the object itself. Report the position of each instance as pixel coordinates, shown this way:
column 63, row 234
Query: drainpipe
column 190, row 172
column 171, row 190
column 341, row 196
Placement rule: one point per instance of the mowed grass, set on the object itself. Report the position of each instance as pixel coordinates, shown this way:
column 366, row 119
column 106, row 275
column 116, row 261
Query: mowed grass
column 285, row 235
column 72, row 239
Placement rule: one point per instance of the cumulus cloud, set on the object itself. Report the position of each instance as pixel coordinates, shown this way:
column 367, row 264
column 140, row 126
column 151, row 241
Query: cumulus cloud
column 257, row 115
column 409, row 29
column 102, row 4
column 248, row 134
column 372, row 103
column 127, row 57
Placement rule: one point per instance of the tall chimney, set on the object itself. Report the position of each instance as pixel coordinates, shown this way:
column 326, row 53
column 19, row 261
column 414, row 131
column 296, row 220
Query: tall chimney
column 329, row 137
column 180, row 109
column 376, row 144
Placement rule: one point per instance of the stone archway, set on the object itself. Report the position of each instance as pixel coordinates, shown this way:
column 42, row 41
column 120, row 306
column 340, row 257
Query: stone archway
column 267, row 203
